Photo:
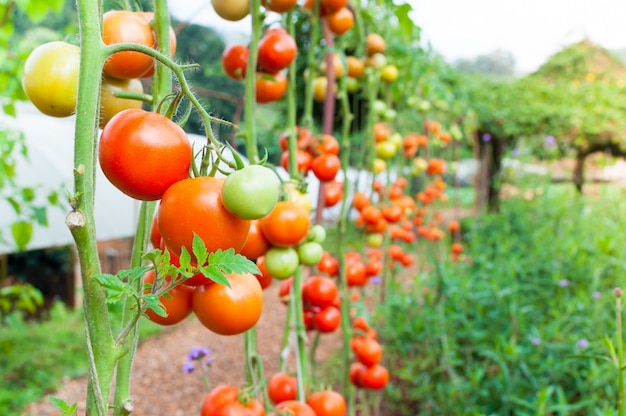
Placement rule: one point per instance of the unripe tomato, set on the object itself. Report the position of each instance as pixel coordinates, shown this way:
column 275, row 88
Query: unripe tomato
column 229, row 310
column 287, row 224
column 110, row 105
column 233, row 10
column 270, row 87
column 356, row 67
column 338, row 67
column 235, row 61
column 121, row 26
column 310, row 253
column 177, row 303
column 50, row 78
column 389, row 73
column 281, row 262
column 195, row 205
column 320, row 85
column 251, row 193
column 279, row 6
column 143, row 153
column 277, row 49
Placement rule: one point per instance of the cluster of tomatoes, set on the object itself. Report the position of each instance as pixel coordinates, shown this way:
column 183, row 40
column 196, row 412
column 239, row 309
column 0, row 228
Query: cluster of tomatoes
column 282, row 391
column 318, row 154
column 276, row 51
column 367, row 372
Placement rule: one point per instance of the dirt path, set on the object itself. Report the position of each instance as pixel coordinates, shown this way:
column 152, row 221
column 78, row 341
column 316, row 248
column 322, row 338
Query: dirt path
column 159, row 386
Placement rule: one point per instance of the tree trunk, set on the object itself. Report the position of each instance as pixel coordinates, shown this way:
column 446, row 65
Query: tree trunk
column 495, row 169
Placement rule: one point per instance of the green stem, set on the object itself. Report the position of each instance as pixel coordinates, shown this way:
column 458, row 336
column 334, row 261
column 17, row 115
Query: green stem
column 284, row 350
column 250, row 82
column 620, row 358
column 292, row 146
column 307, row 117
column 301, row 337
column 312, row 353
column 102, row 352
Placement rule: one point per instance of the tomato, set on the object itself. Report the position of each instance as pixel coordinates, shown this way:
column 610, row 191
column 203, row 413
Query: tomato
column 389, row 73
column 392, row 213
column 328, row 264
column 319, row 291
column 355, row 273
column 287, row 224
column 282, row 387
column 375, row 377
column 155, row 234
column 265, row 279
column 338, row 67
column 284, row 290
column 294, row 408
column 235, row 61
column 281, row 262
column 303, row 161
column 110, row 105
column 333, row 193
column 188, row 201
column 368, row 351
column 303, row 138
column 340, row 21
column 277, row 49
column 317, row 233
column 356, row 67
column 310, row 253
column 327, row 319
column 385, row 150
column 374, row 43
column 224, row 401
column 320, row 86
column 195, row 280
column 279, row 6
column 148, row 17
column 374, row 239
column 120, row 26
column 252, row 192
column 233, row 10
column 229, row 310
column 270, row 87
column 355, row 373
column 143, row 153
column 177, row 303
column 327, row 403
column 360, row 200
column 301, row 198
column 326, row 166
column 256, row 245
column 50, row 78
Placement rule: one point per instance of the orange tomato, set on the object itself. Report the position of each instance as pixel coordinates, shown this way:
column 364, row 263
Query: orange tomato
column 287, row 225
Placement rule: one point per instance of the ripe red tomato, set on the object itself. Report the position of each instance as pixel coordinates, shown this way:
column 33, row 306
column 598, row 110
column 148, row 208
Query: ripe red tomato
column 303, row 138
column 287, row 225
column 235, row 61
column 355, row 373
column 282, row 387
column 143, row 153
column 319, row 291
column 155, row 234
column 327, row 403
column 277, row 49
column 375, row 377
column 265, row 279
column 294, row 408
column 333, row 193
column 120, row 26
column 224, row 401
column 340, row 21
column 256, row 245
column 325, row 143
column 229, row 310
column 188, row 201
column 303, row 161
column 327, row 319
column 328, row 264
column 270, row 87
column 355, row 273
column 177, row 304
column 326, row 166
column 367, row 350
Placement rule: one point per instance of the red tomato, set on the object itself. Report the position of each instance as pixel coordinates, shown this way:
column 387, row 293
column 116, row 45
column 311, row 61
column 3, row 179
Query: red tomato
column 303, row 138
column 355, row 373
column 277, row 49
column 143, row 153
column 256, row 245
column 327, row 319
column 375, row 377
column 265, row 279
column 328, row 264
column 188, row 201
column 340, row 21
column 119, row 26
column 155, row 234
column 327, row 403
column 177, row 304
column 355, row 273
column 303, row 161
column 319, row 291
column 224, row 401
column 235, row 61
column 325, row 143
column 333, row 193
column 368, row 351
column 270, row 87
column 282, row 387
column 326, row 166
column 229, row 310
column 294, row 408
column 287, row 225
column 279, row 6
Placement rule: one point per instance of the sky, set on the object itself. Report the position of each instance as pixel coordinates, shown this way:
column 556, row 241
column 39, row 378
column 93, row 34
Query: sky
column 531, row 30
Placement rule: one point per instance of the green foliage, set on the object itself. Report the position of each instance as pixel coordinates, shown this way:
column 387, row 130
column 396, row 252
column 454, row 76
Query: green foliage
column 499, row 334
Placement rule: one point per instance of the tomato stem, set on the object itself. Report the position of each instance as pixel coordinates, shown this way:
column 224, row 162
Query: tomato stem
column 307, row 117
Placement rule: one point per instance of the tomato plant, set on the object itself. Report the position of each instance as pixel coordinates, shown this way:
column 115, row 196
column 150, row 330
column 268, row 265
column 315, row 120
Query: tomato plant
column 143, row 153
column 50, row 78
column 229, row 310
column 190, row 199
column 277, row 49
column 251, row 193
column 235, row 61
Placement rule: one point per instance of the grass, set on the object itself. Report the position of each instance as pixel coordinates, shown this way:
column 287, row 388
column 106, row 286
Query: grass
column 36, row 357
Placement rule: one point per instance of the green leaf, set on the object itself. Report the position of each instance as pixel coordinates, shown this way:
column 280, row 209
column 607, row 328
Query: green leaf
column 39, row 213
column 153, row 303
column 215, row 274
column 22, row 232
column 28, row 194
column 53, row 198
column 115, row 288
column 199, row 250
column 65, row 408
column 16, row 206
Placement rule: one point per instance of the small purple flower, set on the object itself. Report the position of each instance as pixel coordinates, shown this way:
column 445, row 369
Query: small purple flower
column 549, row 142
column 376, row 280
column 596, row 295
column 563, row 283
column 582, row 343
column 486, row 137
column 515, row 152
column 188, row 367
column 535, row 341
column 208, row 362
column 198, row 352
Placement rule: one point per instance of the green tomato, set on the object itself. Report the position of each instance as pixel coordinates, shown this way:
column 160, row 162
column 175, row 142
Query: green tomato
column 386, row 150
column 379, row 107
column 310, row 253
column 50, row 78
column 352, row 84
column 281, row 262
column 389, row 114
column 317, row 233
column 374, row 239
column 251, row 193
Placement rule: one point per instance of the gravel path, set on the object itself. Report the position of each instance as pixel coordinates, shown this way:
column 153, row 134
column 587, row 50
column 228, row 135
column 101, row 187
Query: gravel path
column 159, row 386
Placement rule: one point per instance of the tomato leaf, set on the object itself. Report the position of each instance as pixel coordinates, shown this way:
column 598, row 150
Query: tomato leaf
column 115, row 288
column 238, row 162
column 22, row 232
column 229, row 262
column 199, row 250
column 215, row 273
column 153, row 303
column 65, row 408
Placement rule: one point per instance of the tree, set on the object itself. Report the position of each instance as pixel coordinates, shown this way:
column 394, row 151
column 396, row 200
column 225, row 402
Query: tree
column 499, row 63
